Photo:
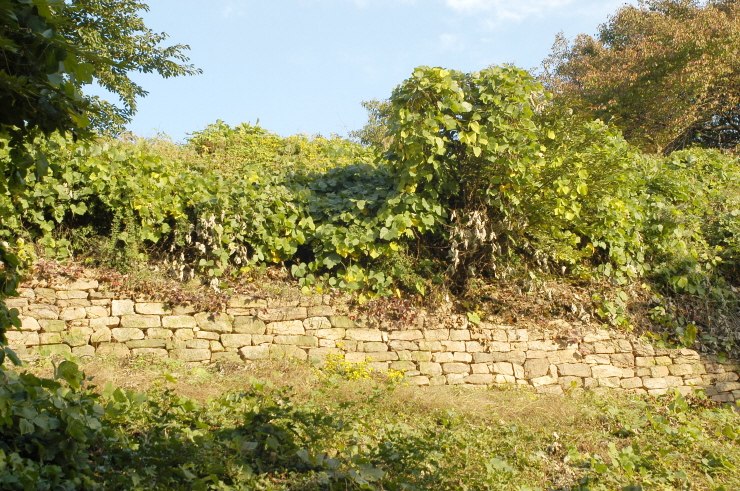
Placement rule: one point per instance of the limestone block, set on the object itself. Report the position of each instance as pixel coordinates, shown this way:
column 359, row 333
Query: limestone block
column 381, row 366
column 455, row 368
column 610, row 382
column 150, row 352
column 122, row 307
column 72, row 313
column 518, row 335
column 374, row 347
column 97, row 312
column 462, row 357
column 474, row 347
column 327, row 343
column 453, row 345
column 428, row 368
column 140, row 321
column 563, row 356
column 54, row 349
column 255, row 352
column 420, row 380
column 77, row 336
column 430, row 346
column 535, row 368
column 152, row 308
column 249, row 325
column 503, row 368
column 355, row 357
column 698, row 368
column 105, row 322
column 243, row 301
column 303, row 341
column 604, row 347
column 535, row 354
column 50, row 338
column 83, row 351
column 318, row 323
column 16, row 303
column 320, row 311
column 20, row 338
column 663, row 360
column 480, row 368
column 444, row 357
column 545, row 345
column 346, row 344
column 183, row 334
column 570, row 382
column 77, row 284
column 283, row 314
column 503, row 379
column 380, row 356
column 645, row 361
column 209, row 335
column 590, row 383
column 236, row 340
column 283, row 302
column 606, row 371
column 411, row 335
column 693, row 381
column 459, row 335
column 159, row 333
column 364, row 334
column 72, row 294
column 574, row 370
column 455, row 378
column 644, row 372
column 113, row 349
column 123, row 334
column 659, row 371
column 29, row 323
column 545, row 380
column 496, row 346
column 334, row 334
column 75, row 302
column 674, row 381
column 342, row 321
column 479, row 379
column 214, row 322
column 681, row 370
column 49, row 325
column 654, row 383
column 146, row 343
column 516, row 357
column 597, row 359
column 642, row 349
column 437, row 380
column 689, row 353
column 45, row 295
column 225, row 357
column 437, row 334
column 101, row 335
column 657, row 392
column 554, row 390
column 216, row 347
column 622, row 346
column 485, row 357
column 42, row 311
column 421, row 356
column 197, row 344
column 183, row 309
column 727, row 386
column 403, row 345
column 287, row 351
column 203, row 354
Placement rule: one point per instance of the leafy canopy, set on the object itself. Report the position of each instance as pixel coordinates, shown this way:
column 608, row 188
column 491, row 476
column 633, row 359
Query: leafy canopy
column 665, row 71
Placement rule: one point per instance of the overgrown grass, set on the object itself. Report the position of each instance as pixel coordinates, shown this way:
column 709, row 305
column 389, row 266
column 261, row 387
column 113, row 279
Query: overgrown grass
column 281, row 425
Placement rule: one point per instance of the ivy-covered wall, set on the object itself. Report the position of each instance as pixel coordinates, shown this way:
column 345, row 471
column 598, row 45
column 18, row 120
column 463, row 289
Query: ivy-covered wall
column 79, row 316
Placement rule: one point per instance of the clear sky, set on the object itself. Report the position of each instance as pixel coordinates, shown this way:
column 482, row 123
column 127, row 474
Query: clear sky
column 304, row 66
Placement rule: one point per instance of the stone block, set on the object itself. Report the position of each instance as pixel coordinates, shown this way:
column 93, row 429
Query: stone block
column 518, row 371
column 243, row 301
column 249, row 325
column 486, row 357
column 72, row 294
column 607, row 371
column 20, row 338
column 113, row 349
column 462, row 357
column 474, row 347
column 198, row 344
column 545, row 345
column 214, row 322
column 146, row 343
column 642, row 349
column 420, row 380
column 403, row 345
column 363, row 334
column 122, row 307
column 455, row 378
column 654, row 383
column 604, row 347
column 727, row 386
column 551, row 390
column 77, row 336
column 437, row 334
column 283, row 314
column 101, row 335
column 209, row 335
column 123, row 334
column 597, row 359
column 496, row 346
column 455, row 368
column 158, row 333
column 659, row 371
column 320, row 311
column 480, row 368
column 645, row 361
column 255, row 352
column 644, row 372
column 225, row 356
column 216, row 346
column 50, row 338
column 681, row 370
column 236, row 340
column 54, row 349
column 536, row 367
column 574, row 370
column 381, row 356
column 479, row 379
column 411, row 335
column 190, row 355
column 631, row 383
column 430, row 345
column 16, row 303
column 152, row 308
column 623, row 360
column 75, row 302
column 303, row 341
column 140, row 321
column 544, row 380
column 85, row 351
column 72, row 313
column 335, row 334
column 105, row 322
column 42, row 312
column 29, row 323
column 342, row 321
column 317, row 323
column 374, row 347
column 150, row 352
column 503, row 368
column 97, row 312
column 459, row 335
column 663, row 361
column 443, row 357
column 427, row 368
column 674, row 381
column 563, row 356
column 570, row 382
column 425, row 356
column 287, row 351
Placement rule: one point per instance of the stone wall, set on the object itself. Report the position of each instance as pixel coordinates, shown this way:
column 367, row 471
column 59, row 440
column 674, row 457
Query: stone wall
column 82, row 318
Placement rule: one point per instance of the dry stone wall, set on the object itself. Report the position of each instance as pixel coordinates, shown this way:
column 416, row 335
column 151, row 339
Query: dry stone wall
column 82, row 318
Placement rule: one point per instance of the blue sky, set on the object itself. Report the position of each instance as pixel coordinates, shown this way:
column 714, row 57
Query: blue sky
column 304, row 66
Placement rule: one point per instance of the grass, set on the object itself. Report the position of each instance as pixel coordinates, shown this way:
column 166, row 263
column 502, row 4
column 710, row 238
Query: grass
column 285, row 425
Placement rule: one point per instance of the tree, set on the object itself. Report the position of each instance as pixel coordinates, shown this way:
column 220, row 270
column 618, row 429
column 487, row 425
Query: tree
column 667, row 72
column 49, row 50
column 375, row 131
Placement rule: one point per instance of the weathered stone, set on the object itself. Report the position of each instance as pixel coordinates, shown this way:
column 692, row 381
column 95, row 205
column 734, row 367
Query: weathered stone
column 443, row 357
column 213, row 322
column 546, row 345
column 574, row 370
column 236, row 340
column 462, row 357
column 663, row 361
column 209, row 335
column 642, row 349
column 72, row 294
column 437, row 334
column 42, row 312
column 105, row 322
column 198, row 344
column 20, row 338
column 249, row 325
column 16, row 303
column 191, row 354
column 727, row 386
column 140, row 321
column 674, row 381
column 496, row 346
column 183, row 309
column 374, row 347
column 604, row 347
column 77, row 336
column 123, row 334
column 54, row 349
column 101, row 335
column 153, row 308
column 459, row 335
column 122, row 307
column 75, row 302
column 225, row 356
column 484, row 357
column 411, row 335
column 568, row 383
column 320, row 311
column 562, row 356
column 381, row 356
column 680, row 370
column 286, row 351
column 544, row 380
column 503, row 368
column 72, row 313
column 659, row 371
column 50, row 338
column 430, row 346
column 146, row 343
column 342, row 321
column 283, row 314
column 294, row 327
column 150, row 352
column 479, row 379
column 597, row 359
column 654, row 383
column 303, row 341
column 243, row 301
column 535, row 368
column 480, row 368
column 623, row 360
column 85, row 351
column 427, row 368
column 645, row 361
column 317, row 323
column 552, row 390
column 631, row 383
column 255, row 352
column 113, row 349
column 455, row 368
column 372, row 335
column 97, row 312
column 29, row 323
column 607, row 371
